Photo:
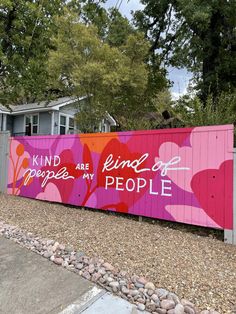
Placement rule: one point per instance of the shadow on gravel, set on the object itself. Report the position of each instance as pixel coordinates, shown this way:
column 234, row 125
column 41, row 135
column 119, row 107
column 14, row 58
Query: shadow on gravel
column 198, row 230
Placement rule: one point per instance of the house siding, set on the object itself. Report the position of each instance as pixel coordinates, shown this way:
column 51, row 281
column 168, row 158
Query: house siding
column 45, row 123
column 56, row 122
column 18, row 125
column 1, row 121
column 10, row 123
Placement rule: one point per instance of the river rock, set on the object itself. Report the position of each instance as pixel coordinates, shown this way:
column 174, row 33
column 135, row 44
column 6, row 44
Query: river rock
column 161, row 311
column 48, row 254
column 161, row 293
column 133, row 293
column 167, row 304
column 189, row 310
column 114, row 284
column 179, row 309
column 142, row 281
column 149, row 286
column 108, row 266
column 58, row 260
column 141, row 307
column 86, row 275
column 155, row 298
column 125, row 290
column 150, row 306
column 150, row 292
column 79, row 266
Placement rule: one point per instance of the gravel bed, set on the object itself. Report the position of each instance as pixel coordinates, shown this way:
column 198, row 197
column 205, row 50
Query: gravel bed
column 196, row 267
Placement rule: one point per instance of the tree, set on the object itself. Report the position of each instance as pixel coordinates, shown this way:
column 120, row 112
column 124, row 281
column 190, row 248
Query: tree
column 112, row 79
column 190, row 112
column 199, row 35
column 25, row 31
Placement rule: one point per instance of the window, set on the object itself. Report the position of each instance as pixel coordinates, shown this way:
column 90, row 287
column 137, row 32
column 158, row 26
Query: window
column 62, row 124
column 31, row 124
column 71, row 125
column 66, row 124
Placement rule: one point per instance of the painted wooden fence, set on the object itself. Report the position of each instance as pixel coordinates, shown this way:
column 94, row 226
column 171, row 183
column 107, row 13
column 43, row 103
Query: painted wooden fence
column 183, row 175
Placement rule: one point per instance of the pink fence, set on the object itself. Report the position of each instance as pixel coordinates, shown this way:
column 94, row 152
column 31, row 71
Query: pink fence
column 183, row 175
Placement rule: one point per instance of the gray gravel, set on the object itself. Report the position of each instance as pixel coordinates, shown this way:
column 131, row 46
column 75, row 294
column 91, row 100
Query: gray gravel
column 194, row 267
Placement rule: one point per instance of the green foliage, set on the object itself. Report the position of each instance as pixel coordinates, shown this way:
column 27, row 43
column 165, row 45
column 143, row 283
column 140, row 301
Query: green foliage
column 113, row 79
column 118, row 28
column 199, row 35
column 25, row 31
column 192, row 112
column 54, row 48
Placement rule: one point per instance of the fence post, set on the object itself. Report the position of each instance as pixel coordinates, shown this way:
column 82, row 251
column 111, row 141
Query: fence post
column 4, row 154
column 230, row 235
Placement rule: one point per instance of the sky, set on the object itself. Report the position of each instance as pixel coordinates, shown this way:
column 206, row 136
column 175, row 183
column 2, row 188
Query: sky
column 179, row 77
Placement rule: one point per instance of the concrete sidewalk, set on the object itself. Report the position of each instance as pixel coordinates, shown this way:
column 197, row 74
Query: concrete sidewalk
column 30, row 284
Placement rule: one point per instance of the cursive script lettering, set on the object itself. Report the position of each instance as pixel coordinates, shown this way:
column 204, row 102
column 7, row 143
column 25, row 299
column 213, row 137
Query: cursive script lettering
column 47, row 175
column 137, row 164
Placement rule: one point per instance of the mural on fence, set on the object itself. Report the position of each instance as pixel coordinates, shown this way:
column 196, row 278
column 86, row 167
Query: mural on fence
column 183, row 175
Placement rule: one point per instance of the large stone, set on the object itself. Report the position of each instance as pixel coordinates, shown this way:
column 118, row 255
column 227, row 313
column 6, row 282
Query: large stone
column 155, row 298
column 150, row 306
column 179, row 309
column 65, row 264
column 133, row 293
column 122, row 282
column 141, row 300
column 149, row 286
column 61, row 247
column 91, row 269
column 125, row 290
column 174, row 297
column 167, row 304
column 55, row 246
column 86, row 275
column 161, row 311
column 58, row 260
column 72, row 258
column 114, row 284
column 189, row 310
column 108, row 266
column 141, row 307
column 102, row 271
column 48, row 254
column 142, row 281
column 150, row 292
column 79, row 266
column 96, row 277
column 109, row 279
column 134, row 278
column 161, row 293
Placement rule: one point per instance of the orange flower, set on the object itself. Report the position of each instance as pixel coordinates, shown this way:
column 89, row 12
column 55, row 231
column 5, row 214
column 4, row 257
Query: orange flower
column 20, row 150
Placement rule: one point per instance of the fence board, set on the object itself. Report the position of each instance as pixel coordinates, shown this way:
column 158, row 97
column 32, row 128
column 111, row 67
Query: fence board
column 183, row 175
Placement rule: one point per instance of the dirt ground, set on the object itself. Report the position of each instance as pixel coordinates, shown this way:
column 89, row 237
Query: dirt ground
column 192, row 262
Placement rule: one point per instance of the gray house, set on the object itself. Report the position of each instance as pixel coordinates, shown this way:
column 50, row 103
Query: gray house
column 47, row 117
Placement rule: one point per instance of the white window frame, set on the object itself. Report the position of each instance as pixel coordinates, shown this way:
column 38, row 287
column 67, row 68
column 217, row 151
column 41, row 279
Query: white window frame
column 3, row 122
column 67, row 116
column 31, row 115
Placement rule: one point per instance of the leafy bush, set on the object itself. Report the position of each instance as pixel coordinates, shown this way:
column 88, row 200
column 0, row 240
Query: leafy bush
column 192, row 112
